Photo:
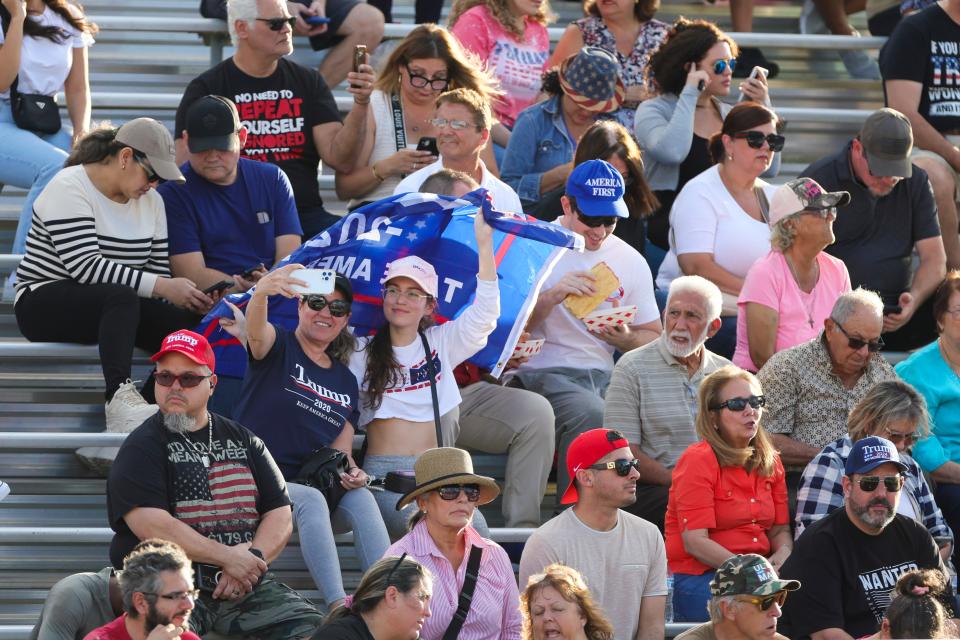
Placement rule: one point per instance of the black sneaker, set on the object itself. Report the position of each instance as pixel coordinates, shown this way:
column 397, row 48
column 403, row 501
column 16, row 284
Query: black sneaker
column 751, row 57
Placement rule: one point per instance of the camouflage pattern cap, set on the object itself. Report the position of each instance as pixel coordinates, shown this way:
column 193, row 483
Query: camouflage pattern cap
column 749, row 575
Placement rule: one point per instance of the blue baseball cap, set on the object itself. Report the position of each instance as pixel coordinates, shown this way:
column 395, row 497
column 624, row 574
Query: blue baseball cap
column 871, row 452
column 598, row 188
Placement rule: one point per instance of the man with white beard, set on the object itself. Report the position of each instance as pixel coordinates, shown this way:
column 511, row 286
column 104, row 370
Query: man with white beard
column 652, row 397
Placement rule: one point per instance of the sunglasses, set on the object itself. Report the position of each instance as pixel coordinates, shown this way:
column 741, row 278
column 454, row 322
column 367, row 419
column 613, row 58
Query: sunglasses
column 721, row 65
column 452, row 491
column 755, row 139
column 896, row 436
column 739, row 404
column 596, row 221
column 176, row 596
column 276, row 24
column 187, row 380
column 870, row 483
column 420, row 81
column 765, row 603
column 821, row 213
column 152, row 176
column 338, row 308
column 622, row 466
column 857, row 343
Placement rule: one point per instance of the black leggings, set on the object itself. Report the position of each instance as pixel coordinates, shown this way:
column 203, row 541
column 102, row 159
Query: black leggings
column 112, row 316
column 424, row 10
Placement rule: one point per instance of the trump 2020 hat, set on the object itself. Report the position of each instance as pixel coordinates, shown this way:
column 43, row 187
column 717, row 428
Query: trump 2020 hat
column 871, row 452
column 598, row 189
column 803, row 193
column 585, row 450
column 152, row 139
column 887, row 140
column 191, row 344
column 213, row 123
column 748, row 574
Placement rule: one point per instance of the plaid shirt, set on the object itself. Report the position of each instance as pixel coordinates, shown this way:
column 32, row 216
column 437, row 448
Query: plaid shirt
column 821, row 491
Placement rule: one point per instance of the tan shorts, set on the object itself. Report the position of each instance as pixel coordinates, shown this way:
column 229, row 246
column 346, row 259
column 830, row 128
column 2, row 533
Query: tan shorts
column 923, row 153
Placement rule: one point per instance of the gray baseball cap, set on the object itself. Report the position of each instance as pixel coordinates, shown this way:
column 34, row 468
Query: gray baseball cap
column 887, row 139
column 152, row 139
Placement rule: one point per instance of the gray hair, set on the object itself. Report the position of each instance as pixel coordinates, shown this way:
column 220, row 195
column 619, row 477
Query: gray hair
column 886, row 403
column 783, row 235
column 143, row 566
column 852, row 301
column 713, row 607
column 698, row 285
column 245, row 10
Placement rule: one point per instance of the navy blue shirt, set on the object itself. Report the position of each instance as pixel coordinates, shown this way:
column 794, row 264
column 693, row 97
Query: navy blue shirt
column 294, row 404
column 235, row 227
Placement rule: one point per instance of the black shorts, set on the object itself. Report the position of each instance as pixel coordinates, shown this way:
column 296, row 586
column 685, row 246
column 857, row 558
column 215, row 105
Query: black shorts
column 337, row 11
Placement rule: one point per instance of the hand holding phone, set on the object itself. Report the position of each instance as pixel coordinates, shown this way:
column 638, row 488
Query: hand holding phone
column 359, row 58
column 218, row 287
column 754, row 73
column 313, row 20
column 428, row 144
column 319, row 281
column 248, row 274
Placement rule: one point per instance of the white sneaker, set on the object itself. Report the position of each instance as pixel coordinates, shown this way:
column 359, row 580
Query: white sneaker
column 124, row 413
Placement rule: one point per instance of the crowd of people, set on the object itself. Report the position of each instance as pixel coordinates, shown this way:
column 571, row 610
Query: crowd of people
column 738, row 438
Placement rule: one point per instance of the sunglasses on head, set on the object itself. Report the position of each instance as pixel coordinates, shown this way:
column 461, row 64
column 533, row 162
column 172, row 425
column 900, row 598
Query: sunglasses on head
column 767, row 601
column 870, row 483
column 721, row 65
column 622, row 466
column 187, row 380
column 755, row 139
column 152, row 176
column 858, row 343
column 596, row 221
column 276, row 24
column 452, row 491
column 739, row 404
column 338, row 308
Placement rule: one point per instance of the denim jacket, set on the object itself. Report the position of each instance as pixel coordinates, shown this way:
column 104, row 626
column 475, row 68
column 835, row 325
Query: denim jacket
column 539, row 142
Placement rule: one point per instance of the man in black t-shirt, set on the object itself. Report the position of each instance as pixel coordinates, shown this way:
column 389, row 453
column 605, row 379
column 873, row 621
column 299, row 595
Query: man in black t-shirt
column 850, row 560
column 208, row 484
column 891, row 213
column 920, row 65
column 290, row 115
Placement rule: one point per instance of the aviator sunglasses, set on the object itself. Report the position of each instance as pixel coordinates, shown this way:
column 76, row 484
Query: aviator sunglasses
column 739, row 404
column 721, row 65
column 870, row 483
column 755, row 139
column 338, row 308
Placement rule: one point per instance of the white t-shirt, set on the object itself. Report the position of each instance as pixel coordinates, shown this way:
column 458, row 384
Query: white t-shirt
column 706, row 219
column 568, row 341
column 620, row 566
column 504, row 198
column 45, row 64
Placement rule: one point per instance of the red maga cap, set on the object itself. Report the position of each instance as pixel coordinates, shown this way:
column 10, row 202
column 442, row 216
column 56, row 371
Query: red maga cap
column 585, row 450
column 191, row 344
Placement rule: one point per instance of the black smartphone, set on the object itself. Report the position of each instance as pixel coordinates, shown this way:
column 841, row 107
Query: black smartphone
column 248, row 273
column 206, row 576
column 223, row 285
column 891, row 308
column 428, row 144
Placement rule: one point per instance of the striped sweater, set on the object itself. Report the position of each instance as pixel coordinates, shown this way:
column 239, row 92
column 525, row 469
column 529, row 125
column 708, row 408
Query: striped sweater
column 77, row 233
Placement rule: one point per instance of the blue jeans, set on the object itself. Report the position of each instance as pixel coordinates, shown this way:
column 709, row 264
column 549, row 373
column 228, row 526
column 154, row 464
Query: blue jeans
column 358, row 512
column 690, row 597
column 29, row 160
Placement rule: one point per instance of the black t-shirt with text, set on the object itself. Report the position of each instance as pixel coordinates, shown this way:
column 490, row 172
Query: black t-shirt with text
column 224, row 501
column 279, row 113
column 847, row 576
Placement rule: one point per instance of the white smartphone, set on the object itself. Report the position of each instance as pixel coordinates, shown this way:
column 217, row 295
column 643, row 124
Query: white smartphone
column 753, row 74
column 319, row 281
column 4, row 489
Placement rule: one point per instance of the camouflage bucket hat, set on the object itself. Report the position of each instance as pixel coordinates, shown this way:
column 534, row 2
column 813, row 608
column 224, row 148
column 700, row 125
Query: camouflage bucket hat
column 749, row 575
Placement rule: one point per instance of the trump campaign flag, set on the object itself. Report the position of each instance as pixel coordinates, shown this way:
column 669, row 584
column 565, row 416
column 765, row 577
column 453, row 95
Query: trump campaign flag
column 438, row 229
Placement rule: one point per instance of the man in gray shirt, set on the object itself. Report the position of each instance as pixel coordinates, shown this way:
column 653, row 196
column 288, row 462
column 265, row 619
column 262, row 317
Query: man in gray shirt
column 652, row 397
column 78, row 604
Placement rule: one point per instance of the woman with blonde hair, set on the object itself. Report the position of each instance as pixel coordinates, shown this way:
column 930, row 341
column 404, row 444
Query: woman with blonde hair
column 426, row 63
column 559, row 601
column 728, row 494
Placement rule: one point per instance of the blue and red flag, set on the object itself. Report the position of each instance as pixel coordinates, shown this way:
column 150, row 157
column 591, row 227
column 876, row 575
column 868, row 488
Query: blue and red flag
column 439, row 229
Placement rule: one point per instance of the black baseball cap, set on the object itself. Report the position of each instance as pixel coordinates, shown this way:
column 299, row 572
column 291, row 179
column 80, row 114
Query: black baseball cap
column 213, row 123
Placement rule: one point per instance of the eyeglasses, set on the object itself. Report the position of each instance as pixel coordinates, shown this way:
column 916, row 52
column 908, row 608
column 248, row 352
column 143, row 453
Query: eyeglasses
column 765, row 603
column 420, row 81
column 410, row 295
column 596, row 221
column 176, row 596
column 896, row 436
column 721, row 65
column 622, row 466
column 822, row 213
column 870, row 483
column 452, row 491
column 187, row 380
column 954, row 313
column 857, row 343
column 739, row 404
column 395, row 566
column 152, row 176
column 276, row 24
column 456, row 125
column 338, row 308
column 755, row 139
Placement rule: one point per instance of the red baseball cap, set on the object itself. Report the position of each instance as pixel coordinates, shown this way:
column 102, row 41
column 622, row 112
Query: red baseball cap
column 585, row 450
column 191, row 344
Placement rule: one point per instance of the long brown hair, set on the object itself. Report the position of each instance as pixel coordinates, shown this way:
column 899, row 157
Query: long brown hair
column 643, row 10
column 687, row 42
column 606, row 138
column 404, row 573
column 71, row 12
column 383, row 371
column 98, row 145
column 500, row 11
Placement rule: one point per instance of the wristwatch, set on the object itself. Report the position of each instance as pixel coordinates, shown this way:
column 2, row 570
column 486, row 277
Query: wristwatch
column 257, row 553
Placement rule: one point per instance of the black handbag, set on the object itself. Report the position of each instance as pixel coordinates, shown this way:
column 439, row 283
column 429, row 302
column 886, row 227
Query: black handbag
column 322, row 471
column 34, row 111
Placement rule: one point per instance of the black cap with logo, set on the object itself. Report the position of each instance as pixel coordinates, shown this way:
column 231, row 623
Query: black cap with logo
column 213, row 123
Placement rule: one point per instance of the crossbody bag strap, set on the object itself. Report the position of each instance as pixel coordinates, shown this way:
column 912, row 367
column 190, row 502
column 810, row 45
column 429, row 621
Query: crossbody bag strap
column 466, row 594
column 764, row 203
column 431, row 371
column 399, row 132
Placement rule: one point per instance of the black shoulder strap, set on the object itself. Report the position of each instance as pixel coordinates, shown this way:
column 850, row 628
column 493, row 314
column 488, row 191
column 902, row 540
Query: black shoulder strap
column 466, row 594
column 433, row 386
column 399, row 132
column 764, row 203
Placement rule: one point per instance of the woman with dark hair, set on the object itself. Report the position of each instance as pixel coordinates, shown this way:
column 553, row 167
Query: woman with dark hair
column 426, row 63
column 916, row 610
column 96, row 265
column 626, row 29
column 718, row 223
column 392, row 602
column 728, row 494
column 557, row 604
column 43, row 49
column 691, row 71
